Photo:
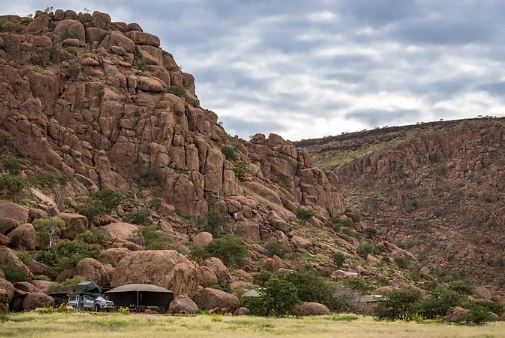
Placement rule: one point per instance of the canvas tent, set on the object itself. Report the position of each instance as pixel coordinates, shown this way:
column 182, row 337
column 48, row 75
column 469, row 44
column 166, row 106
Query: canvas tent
column 87, row 287
column 141, row 296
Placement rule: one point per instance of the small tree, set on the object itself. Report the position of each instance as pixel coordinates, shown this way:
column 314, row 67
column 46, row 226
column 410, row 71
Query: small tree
column 240, row 170
column 274, row 247
column 48, row 230
column 399, row 304
column 229, row 248
column 339, row 259
column 277, row 298
column 12, row 186
column 229, row 152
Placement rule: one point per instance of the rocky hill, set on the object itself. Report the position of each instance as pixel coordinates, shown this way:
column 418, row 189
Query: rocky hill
column 435, row 189
column 116, row 174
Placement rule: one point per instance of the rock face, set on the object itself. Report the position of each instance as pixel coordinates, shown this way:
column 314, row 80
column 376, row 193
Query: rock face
column 457, row 314
column 75, row 224
column 220, row 270
column 436, row 189
column 14, row 211
column 35, row 300
column 213, row 299
column 93, row 270
column 202, row 239
column 23, row 237
column 182, row 305
column 165, row 268
column 120, row 107
column 311, row 309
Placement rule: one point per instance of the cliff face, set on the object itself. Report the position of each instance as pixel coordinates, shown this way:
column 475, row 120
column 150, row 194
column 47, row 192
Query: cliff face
column 437, row 190
column 102, row 102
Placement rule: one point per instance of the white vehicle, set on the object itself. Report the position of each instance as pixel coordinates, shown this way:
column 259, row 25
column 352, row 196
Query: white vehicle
column 90, row 303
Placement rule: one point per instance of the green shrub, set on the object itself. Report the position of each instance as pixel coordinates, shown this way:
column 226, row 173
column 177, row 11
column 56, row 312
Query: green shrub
column 339, row 259
column 370, row 232
column 66, row 286
column 151, row 177
column 48, row 230
column 73, row 70
column 478, row 314
column 275, row 248
column 139, row 216
column 155, row 239
column 439, row 303
column 155, row 203
column 177, row 90
column 95, row 235
column 403, row 262
column 14, row 273
column 364, row 249
column 277, row 298
column 92, row 209
column 73, row 50
column 357, row 284
column 214, row 222
column 499, row 309
column 338, row 223
column 399, row 304
column 229, row 152
column 304, row 214
column 229, row 248
column 260, row 278
column 110, row 199
column 311, row 286
column 462, row 287
column 240, row 170
column 47, row 180
column 12, row 186
column 66, row 255
column 11, row 164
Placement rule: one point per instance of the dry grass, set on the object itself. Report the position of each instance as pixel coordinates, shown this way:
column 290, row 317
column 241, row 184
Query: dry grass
column 116, row 325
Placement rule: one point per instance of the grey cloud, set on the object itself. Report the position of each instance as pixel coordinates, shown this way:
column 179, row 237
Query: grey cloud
column 245, row 127
column 378, row 117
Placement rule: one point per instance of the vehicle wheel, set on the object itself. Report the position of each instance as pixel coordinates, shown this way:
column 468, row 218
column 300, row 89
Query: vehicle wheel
column 97, row 308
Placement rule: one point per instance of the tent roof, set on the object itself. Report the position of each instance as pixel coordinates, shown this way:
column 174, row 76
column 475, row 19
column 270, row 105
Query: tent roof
column 139, row 287
column 87, row 286
column 252, row 293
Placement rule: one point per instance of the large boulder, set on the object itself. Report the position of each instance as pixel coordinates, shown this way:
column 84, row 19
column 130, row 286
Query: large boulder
column 213, row 299
column 7, row 224
column 66, row 29
column 183, row 305
column 206, row 277
column 311, row 309
column 150, row 84
column 100, row 20
column 13, row 211
column 4, row 240
column 92, row 270
column 42, row 285
column 216, row 265
column 165, row 268
column 202, row 239
column 483, row 293
column 117, row 39
column 8, row 287
column 9, row 257
column 35, row 300
column 112, row 256
column 23, row 237
column 122, row 231
column 457, row 314
column 142, row 38
column 75, row 224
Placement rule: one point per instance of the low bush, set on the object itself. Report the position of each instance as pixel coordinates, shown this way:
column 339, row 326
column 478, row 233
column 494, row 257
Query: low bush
column 151, row 177
column 153, row 239
column 66, row 255
column 338, row 223
column 214, row 221
column 439, row 303
column 12, row 186
column 357, row 284
column 274, row 247
column 14, row 273
column 304, row 214
column 100, row 203
column 339, row 259
column 73, row 71
column 66, row 286
column 370, row 232
column 229, row 248
column 95, row 235
column 462, row 287
column 311, row 286
column 229, row 152
column 364, row 249
column 11, row 164
column 177, row 90
column 48, row 180
column 240, row 170
column 155, row 203
column 403, row 262
column 139, row 216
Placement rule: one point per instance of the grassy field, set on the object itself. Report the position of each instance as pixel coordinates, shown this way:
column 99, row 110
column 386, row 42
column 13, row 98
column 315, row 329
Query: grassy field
column 117, row 325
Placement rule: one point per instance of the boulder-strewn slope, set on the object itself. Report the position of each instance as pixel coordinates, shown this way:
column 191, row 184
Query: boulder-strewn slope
column 437, row 189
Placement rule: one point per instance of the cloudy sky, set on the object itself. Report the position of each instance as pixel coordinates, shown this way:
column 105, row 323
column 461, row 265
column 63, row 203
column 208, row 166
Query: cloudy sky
column 307, row 69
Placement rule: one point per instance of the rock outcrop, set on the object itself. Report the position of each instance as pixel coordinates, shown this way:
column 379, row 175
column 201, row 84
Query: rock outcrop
column 165, row 268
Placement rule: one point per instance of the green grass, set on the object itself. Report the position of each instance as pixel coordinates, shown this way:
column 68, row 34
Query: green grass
column 58, row 325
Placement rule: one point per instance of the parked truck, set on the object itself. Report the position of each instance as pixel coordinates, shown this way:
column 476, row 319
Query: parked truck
column 90, row 302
